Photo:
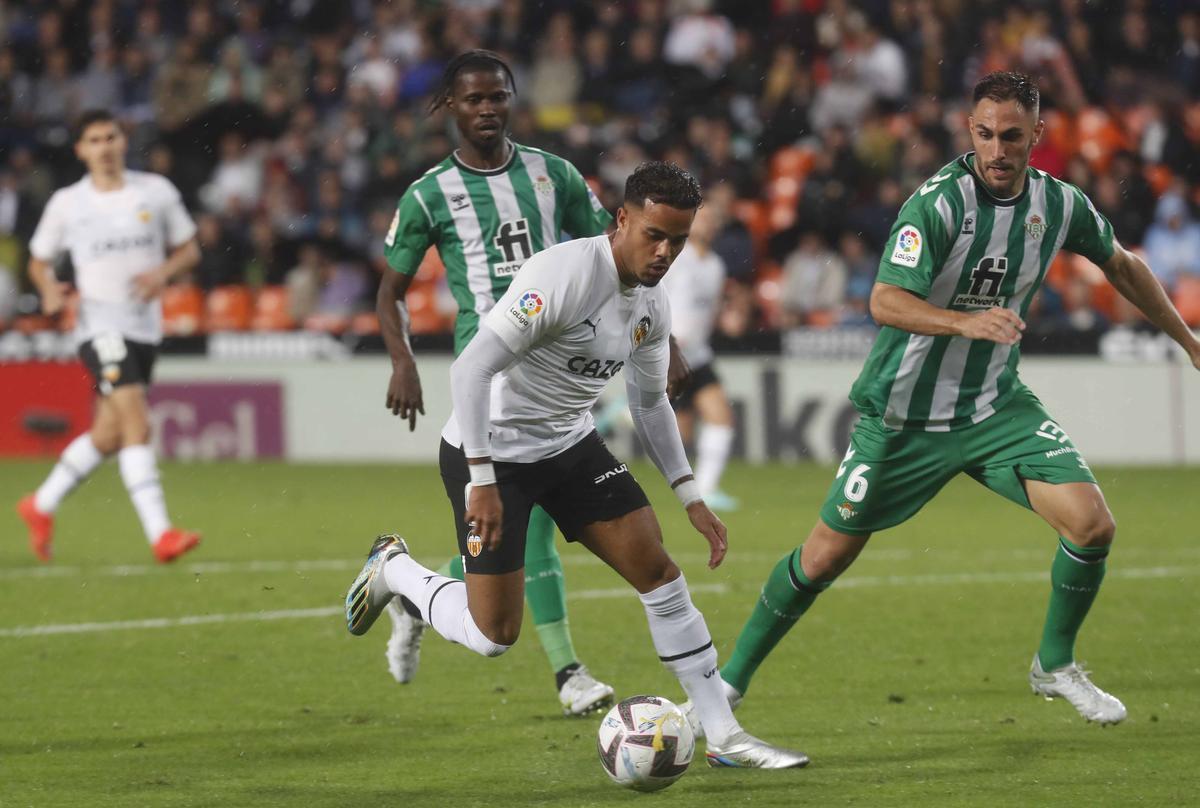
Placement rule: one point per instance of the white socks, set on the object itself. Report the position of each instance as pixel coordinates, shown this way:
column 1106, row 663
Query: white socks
column 685, row 647
column 712, row 452
column 442, row 602
column 78, row 460
column 140, row 473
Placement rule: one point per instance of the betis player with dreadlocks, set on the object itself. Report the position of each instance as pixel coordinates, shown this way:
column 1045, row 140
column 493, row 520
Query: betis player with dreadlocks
column 940, row 395
column 487, row 208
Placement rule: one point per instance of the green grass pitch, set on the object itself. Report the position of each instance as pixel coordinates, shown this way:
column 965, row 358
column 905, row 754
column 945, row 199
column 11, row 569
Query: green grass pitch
column 905, row 683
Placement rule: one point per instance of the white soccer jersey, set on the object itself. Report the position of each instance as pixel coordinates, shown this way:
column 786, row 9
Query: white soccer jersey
column 575, row 326
column 113, row 236
column 694, row 286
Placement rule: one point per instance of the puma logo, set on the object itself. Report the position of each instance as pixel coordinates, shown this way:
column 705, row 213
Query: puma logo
column 593, row 325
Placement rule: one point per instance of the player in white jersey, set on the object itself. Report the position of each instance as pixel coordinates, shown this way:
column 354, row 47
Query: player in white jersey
column 521, row 434
column 695, row 290
column 128, row 234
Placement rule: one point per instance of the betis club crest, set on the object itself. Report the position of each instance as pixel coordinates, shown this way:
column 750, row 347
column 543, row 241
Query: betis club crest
column 543, row 185
column 1035, row 227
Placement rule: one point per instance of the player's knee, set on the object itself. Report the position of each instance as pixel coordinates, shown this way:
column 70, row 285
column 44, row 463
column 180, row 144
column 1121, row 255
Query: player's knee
column 135, row 432
column 660, row 574
column 501, row 635
column 1098, row 531
column 107, row 441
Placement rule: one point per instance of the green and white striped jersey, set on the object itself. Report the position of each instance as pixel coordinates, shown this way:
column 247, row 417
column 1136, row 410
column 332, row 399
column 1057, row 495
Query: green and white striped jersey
column 959, row 247
column 486, row 224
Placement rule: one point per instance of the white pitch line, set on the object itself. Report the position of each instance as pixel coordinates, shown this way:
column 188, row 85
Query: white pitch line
column 571, row 560
column 851, row 582
column 282, row 614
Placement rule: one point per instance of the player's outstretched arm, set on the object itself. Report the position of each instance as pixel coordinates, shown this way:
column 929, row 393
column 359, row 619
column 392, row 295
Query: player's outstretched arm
column 471, row 378
column 51, row 290
column 899, row 308
column 1130, row 275
column 182, row 259
column 404, row 396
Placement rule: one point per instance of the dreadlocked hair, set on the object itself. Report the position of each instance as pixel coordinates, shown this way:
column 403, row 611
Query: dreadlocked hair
column 477, row 59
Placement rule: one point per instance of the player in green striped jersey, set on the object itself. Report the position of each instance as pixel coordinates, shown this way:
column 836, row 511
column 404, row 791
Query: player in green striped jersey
column 487, row 208
column 940, row 394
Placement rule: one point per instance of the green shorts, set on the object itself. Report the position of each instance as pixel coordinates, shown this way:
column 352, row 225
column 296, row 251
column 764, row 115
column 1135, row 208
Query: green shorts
column 888, row 475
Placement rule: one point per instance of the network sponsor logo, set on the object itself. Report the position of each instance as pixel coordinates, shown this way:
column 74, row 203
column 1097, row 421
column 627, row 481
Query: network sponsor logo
column 969, row 301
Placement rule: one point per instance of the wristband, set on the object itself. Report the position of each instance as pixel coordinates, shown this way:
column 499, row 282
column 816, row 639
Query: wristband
column 688, row 493
column 482, row 473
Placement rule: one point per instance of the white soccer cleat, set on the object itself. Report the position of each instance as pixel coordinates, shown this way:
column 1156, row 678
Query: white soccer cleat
column 369, row 594
column 1071, row 682
column 689, row 710
column 744, row 751
column 582, row 693
column 404, row 646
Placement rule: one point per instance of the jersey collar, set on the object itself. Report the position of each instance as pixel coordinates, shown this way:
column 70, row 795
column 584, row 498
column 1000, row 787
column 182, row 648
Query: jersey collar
column 488, row 172
column 967, row 161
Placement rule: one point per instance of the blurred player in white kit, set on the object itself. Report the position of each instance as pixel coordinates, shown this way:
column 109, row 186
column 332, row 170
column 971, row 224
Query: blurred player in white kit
column 128, row 234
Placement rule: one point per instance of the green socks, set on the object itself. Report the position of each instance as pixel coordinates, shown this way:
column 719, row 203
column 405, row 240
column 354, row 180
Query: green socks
column 546, row 592
column 1075, row 578
column 786, row 596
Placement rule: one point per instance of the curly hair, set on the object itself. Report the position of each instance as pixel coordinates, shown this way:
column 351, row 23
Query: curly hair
column 664, row 184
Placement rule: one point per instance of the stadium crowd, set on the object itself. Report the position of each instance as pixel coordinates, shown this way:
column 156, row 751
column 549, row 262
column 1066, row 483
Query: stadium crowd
column 292, row 127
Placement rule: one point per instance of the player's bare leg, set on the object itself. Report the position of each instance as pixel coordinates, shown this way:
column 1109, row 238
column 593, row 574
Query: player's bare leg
column 139, row 471
column 632, row 545
column 1086, row 528
column 81, row 457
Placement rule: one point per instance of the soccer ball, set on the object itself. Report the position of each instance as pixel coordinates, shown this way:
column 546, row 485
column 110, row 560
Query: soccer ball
column 645, row 743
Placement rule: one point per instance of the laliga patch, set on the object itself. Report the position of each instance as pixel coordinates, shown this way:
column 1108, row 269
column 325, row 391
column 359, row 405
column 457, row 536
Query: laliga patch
column 528, row 306
column 909, row 243
column 390, row 238
column 596, row 204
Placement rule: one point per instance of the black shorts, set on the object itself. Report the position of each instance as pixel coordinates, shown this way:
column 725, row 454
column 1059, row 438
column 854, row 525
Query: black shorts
column 577, row 487
column 114, row 361
column 701, row 377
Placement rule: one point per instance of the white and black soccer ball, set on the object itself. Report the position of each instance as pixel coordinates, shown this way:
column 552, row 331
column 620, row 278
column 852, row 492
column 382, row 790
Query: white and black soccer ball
column 645, row 743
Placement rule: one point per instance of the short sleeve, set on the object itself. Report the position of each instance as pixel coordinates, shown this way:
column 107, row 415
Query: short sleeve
column 651, row 357
column 538, row 304
column 49, row 239
column 178, row 222
column 411, row 233
column 915, row 247
column 1088, row 234
column 583, row 214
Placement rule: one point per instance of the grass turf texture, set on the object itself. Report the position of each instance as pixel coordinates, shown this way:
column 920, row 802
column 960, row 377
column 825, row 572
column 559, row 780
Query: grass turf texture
column 905, row 683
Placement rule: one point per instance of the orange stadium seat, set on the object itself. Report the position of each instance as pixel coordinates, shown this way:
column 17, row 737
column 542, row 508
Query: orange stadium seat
column 271, row 311
column 366, row 322
column 768, row 288
column 229, row 308
column 423, row 314
column 1099, row 137
column 183, row 310
column 791, row 161
column 754, row 215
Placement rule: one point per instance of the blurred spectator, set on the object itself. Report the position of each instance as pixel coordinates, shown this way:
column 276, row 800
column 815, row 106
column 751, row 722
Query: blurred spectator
column 237, row 180
column 861, row 266
column 732, row 241
column 222, row 257
column 321, row 286
column 699, row 38
column 1173, row 242
column 181, row 91
column 814, row 281
column 235, row 70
